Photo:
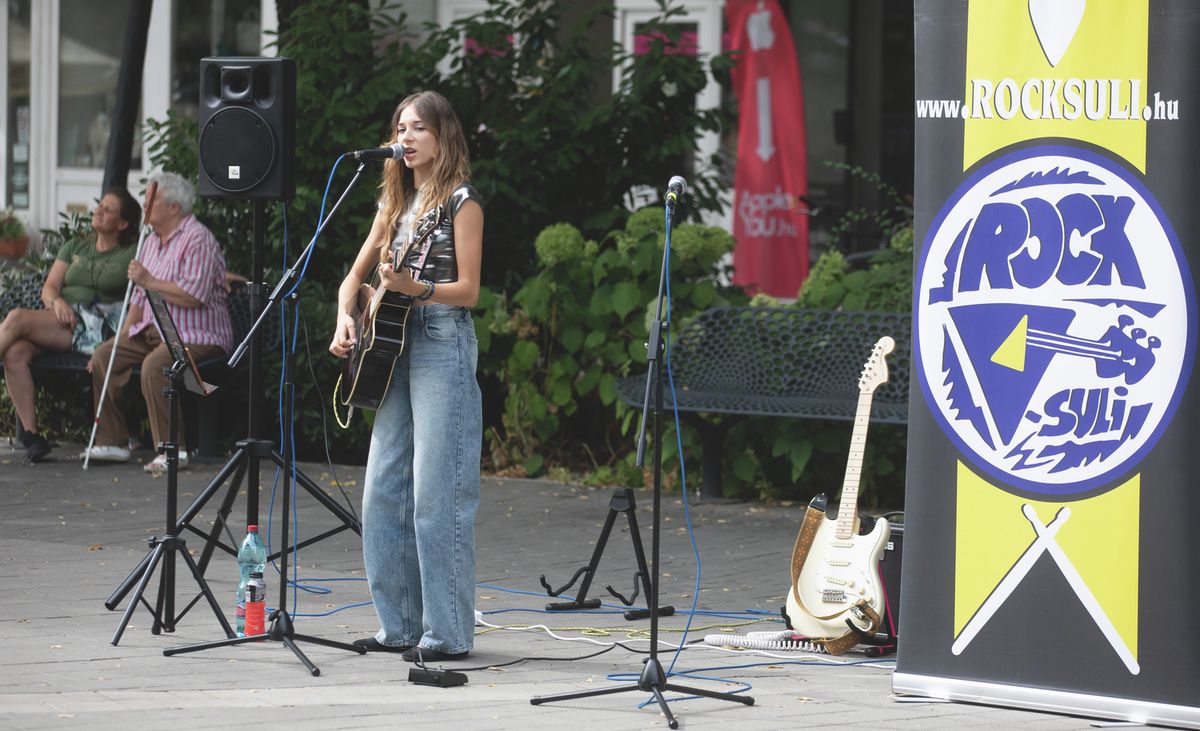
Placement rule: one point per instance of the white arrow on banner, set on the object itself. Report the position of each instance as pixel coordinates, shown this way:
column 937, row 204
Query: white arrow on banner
column 766, row 145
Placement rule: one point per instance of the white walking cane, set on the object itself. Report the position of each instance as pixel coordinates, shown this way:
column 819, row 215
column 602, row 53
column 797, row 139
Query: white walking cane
column 151, row 191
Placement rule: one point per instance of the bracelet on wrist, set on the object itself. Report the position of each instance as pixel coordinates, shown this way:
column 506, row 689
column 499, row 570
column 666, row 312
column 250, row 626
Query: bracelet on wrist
column 429, row 288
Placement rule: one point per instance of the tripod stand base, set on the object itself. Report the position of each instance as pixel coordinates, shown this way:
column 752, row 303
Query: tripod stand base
column 653, row 680
column 281, row 630
column 163, row 550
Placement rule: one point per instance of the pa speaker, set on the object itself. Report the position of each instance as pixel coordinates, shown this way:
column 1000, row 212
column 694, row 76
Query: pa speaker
column 248, row 128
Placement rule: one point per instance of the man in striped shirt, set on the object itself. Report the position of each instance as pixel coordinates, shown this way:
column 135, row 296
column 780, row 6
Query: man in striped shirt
column 183, row 260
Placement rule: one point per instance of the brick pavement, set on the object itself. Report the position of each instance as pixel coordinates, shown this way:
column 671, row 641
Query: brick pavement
column 69, row 537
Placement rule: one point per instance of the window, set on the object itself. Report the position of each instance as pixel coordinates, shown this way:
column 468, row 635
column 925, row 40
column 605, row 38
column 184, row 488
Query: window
column 204, row 28
column 17, row 113
column 91, row 39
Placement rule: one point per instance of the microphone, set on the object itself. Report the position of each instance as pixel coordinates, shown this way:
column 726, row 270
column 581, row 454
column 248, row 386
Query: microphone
column 676, row 189
column 394, row 152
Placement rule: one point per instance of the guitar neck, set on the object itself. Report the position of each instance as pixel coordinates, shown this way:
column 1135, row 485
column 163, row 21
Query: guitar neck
column 847, row 520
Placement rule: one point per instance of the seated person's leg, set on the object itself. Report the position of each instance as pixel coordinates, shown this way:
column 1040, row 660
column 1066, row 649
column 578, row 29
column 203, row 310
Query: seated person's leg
column 153, row 383
column 22, row 335
column 19, row 382
column 112, row 434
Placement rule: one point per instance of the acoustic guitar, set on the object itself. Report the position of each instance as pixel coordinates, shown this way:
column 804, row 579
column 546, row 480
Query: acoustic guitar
column 381, row 322
column 836, row 596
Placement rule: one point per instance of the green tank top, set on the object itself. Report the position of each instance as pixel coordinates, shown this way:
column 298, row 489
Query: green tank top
column 94, row 276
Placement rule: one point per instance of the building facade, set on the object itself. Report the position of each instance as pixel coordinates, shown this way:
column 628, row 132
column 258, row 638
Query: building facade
column 63, row 56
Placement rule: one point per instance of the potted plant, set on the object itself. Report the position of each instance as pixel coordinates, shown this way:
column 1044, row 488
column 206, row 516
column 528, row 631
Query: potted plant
column 13, row 239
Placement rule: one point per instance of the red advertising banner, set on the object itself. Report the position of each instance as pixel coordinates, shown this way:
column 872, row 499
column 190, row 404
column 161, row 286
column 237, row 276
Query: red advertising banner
column 769, row 224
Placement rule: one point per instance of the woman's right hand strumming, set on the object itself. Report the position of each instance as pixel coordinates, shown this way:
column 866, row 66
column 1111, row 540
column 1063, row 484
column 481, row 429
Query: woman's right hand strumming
column 343, row 335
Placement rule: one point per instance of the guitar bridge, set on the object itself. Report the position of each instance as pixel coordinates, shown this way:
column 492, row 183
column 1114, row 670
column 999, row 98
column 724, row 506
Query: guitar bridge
column 833, row 596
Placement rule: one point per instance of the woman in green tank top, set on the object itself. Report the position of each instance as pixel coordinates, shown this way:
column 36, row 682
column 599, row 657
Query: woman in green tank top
column 83, row 295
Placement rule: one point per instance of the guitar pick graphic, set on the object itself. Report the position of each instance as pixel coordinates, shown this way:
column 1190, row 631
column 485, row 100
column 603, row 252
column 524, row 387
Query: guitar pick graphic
column 1055, row 23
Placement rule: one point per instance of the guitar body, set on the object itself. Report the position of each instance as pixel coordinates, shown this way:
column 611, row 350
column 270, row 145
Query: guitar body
column 836, row 576
column 380, row 321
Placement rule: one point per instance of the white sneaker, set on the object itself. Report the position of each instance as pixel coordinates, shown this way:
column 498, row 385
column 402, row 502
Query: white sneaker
column 158, row 465
column 106, row 453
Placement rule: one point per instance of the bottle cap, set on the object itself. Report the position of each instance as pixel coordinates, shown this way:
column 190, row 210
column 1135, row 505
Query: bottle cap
column 252, row 528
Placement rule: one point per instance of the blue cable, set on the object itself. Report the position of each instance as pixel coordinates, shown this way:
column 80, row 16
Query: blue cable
column 284, row 345
column 679, row 450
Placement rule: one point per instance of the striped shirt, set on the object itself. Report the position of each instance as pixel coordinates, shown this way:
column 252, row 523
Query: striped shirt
column 192, row 259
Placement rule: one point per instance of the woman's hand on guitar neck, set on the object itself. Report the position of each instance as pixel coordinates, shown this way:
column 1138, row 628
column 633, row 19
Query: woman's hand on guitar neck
column 343, row 335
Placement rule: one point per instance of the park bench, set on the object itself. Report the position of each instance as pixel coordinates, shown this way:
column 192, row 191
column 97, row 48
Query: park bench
column 777, row 361
column 205, row 416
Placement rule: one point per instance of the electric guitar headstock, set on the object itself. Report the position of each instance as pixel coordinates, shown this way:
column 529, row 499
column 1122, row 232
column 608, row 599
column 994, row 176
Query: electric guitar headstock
column 875, row 372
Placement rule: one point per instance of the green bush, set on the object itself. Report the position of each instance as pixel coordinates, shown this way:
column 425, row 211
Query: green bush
column 580, row 323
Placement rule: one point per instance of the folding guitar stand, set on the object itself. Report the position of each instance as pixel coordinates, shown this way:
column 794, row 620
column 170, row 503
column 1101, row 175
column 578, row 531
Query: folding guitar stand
column 622, row 502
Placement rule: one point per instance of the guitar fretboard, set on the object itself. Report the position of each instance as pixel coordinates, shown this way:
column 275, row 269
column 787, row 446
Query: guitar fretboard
column 847, row 520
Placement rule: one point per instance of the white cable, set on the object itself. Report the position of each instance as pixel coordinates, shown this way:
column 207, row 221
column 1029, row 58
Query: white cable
column 781, row 640
column 725, row 645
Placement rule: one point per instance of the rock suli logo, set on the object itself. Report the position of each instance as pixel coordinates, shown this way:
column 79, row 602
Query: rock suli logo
column 1054, row 320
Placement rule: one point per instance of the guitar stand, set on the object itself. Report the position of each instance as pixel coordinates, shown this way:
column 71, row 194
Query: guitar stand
column 622, row 502
column 163, row 548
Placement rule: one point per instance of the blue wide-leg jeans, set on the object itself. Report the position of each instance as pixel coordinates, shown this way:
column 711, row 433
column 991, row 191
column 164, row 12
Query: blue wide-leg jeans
column 422, row 487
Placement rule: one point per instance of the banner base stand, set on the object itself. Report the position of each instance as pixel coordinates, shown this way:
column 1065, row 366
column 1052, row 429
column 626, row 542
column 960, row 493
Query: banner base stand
column 1040, row 699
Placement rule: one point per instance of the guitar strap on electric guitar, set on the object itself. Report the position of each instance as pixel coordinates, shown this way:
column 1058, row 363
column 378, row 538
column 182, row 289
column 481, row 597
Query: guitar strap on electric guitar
column 813, row 517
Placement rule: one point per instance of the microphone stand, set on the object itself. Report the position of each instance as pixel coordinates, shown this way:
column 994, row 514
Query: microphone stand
column 281, row 628
column 653, row 679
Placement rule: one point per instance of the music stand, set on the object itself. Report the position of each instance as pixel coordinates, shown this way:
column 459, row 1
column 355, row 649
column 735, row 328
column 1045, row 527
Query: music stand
column 182, row 370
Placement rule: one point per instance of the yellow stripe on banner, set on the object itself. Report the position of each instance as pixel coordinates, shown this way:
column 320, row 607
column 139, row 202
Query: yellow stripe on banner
column 1056, row 68
column 1099, row 538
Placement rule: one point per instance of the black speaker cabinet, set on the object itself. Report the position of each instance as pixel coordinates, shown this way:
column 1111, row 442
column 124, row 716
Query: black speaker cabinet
column 248, row 128
column 889, row 569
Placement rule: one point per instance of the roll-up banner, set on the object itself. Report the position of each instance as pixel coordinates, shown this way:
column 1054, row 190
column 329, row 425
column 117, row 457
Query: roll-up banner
column 1050, row 537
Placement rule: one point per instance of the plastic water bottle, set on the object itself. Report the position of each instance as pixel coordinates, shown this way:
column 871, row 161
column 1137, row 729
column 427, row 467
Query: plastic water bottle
column 252, row 556
column 256, row 604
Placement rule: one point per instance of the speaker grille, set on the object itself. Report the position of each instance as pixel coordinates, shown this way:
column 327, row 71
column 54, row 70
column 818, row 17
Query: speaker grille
column 237, row 149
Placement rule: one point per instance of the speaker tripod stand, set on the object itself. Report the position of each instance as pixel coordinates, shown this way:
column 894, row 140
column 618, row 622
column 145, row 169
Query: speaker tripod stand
column 245, row 460
column 281, row 628
column 652, row 679
column 163, row 548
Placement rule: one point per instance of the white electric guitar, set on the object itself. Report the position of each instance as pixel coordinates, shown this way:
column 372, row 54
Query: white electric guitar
column 835, row 579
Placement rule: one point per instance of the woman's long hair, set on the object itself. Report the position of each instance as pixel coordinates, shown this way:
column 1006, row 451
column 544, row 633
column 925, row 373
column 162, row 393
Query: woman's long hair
column 131, row 213
column 451, row 166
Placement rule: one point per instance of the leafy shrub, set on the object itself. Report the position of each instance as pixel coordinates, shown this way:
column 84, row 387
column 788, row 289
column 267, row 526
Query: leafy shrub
column 577, row 325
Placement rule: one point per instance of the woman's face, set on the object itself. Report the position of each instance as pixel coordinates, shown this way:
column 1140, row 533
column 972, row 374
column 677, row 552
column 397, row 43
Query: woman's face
column 420, row 144
column 106, row 217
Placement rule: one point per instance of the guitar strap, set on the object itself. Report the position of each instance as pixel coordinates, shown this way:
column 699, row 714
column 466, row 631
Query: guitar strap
column 804, row 539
